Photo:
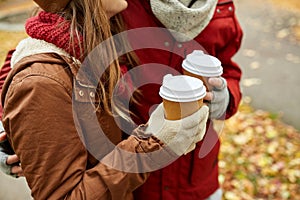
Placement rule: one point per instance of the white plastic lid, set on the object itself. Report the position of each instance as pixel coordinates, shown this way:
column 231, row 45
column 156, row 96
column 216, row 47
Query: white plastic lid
column 182, row 88
column 202, row 64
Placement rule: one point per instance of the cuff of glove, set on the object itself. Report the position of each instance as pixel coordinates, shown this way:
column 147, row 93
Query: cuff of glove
column 218, row 106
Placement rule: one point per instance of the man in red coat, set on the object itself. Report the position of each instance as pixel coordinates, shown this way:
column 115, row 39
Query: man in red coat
column 211, row 26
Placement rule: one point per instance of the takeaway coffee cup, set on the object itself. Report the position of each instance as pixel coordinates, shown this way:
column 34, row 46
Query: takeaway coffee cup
column 202, row 66
column 182, row 96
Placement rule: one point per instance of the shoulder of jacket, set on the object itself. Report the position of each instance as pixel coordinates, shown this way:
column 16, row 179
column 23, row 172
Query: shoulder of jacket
column 34, row 57
column 43, row 72
column 30, row 46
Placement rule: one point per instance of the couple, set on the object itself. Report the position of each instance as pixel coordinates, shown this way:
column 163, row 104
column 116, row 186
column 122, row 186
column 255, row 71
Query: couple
column 51, row 138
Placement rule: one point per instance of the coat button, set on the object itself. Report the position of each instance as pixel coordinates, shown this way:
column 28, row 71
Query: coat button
column 179, row 45
column 230, row 9
column 92, row 94
column 167, row 44
column 218, row 10
column 81, row 93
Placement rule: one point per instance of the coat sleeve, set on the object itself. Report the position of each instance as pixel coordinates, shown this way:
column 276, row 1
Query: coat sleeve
column 232, row 72
column 3, row 74
column 40, row 126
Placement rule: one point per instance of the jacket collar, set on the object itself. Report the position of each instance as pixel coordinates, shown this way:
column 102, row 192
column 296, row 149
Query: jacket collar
column 30, row 51
column 30, row 46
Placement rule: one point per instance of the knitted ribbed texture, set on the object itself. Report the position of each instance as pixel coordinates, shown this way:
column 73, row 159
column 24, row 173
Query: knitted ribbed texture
column 184, row 23
column 54, row 29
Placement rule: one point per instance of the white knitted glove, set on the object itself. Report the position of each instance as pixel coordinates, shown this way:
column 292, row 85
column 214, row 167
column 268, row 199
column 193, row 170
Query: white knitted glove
column 182, row 135
column 220, row 100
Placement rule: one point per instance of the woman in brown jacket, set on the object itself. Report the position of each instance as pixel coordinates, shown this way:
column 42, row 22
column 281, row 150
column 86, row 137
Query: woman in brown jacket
column 50, row 105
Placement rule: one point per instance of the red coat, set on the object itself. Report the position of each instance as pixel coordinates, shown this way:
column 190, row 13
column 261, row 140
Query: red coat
column 3, row 74
column 189, row 177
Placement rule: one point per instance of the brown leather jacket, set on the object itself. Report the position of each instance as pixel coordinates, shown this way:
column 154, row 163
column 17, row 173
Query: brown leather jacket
column 41, row 126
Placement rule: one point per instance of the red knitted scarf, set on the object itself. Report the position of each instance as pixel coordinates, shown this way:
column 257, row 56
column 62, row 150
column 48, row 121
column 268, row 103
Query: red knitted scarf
column 54, row 29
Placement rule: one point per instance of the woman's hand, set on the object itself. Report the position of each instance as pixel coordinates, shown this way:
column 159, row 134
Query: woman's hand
column 181, row 135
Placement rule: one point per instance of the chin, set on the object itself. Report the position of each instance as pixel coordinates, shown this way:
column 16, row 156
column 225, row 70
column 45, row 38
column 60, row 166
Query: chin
column 125, row 5
column 120, row 8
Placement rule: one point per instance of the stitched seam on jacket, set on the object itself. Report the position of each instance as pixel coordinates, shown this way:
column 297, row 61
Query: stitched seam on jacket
column 14, row 83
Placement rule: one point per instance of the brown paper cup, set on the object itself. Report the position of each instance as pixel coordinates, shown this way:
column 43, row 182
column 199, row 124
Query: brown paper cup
column 179, row 110
column 202, row 78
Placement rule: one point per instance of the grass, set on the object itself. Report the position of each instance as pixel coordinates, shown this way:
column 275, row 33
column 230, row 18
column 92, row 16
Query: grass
column 9, row 40
column 259, row 157
column 287, row 4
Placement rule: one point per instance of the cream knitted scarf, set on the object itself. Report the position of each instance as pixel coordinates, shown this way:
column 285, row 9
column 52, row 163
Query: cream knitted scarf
column 184, row 23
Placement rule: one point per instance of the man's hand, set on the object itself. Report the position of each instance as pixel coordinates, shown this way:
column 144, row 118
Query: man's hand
column 218, row 98
column 16, row 170
column 9, row 164
column 2, row 136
